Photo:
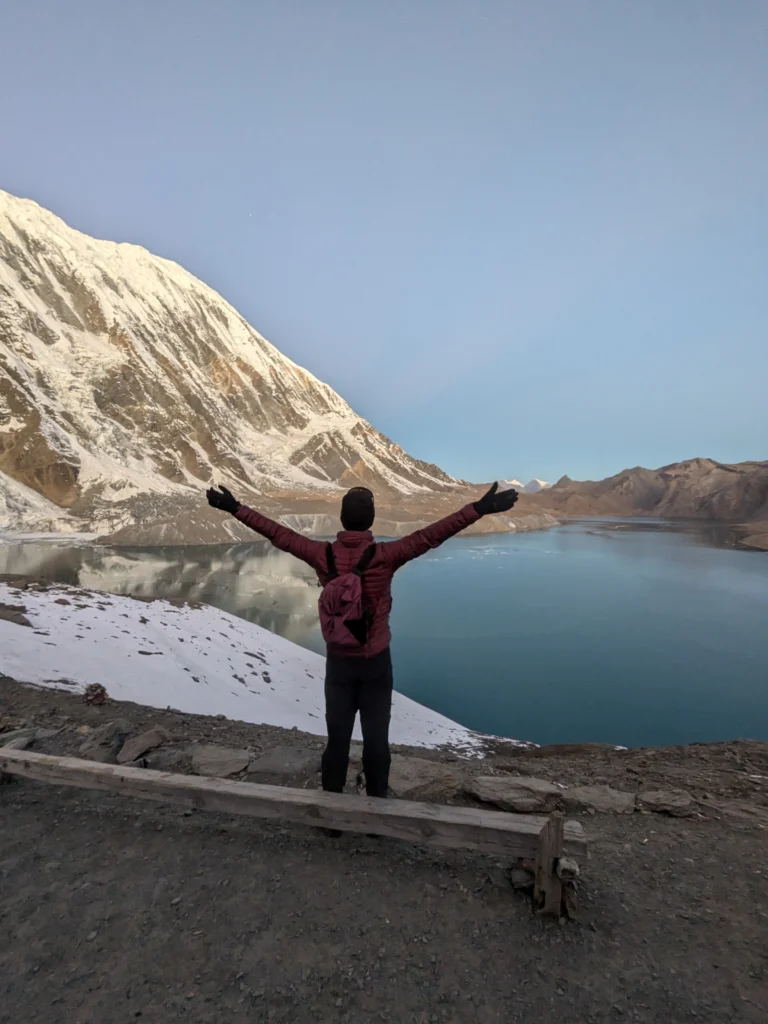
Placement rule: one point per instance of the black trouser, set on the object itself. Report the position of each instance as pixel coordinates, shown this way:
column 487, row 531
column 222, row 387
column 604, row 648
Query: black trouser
column 352, row 685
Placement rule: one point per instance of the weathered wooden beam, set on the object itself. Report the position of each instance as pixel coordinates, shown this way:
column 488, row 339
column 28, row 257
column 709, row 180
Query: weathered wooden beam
column 492, row 832
column 548, row 888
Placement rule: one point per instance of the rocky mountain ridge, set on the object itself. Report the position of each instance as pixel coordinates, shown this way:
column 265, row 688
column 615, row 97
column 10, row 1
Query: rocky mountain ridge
column 693, row 489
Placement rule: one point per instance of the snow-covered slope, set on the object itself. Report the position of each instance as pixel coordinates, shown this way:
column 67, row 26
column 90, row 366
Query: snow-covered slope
column 194, row 659
column 125, row 381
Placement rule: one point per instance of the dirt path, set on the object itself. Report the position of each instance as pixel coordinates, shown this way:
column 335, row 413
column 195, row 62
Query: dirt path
column 113, row 910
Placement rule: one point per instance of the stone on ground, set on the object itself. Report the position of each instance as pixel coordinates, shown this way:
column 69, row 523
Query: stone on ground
column 521, row 878
column 602, row 799
column 20, row 743
column 516, row 793
column 209, row 759
column 285, row 760
column 28, row 735
column 418, row 779
column 12, row 739
column 676, row 802
column 146, row 741
column 104, row 743
column 173, row 757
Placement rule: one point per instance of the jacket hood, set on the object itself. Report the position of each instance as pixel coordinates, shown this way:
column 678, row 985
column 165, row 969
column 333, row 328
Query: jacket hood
column 354, row 538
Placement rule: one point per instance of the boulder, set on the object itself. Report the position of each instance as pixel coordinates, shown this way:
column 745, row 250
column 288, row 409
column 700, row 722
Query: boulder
column 175, row 757
column 104, row 743
column 209, row 759
column 516, row 793
column 285, row 760
column 521, row 878
column 602, row 799
column 136, row 746
column 418, row 779
column 19, row 743
column 12, row 739
column 44, row 734
column 676, row 802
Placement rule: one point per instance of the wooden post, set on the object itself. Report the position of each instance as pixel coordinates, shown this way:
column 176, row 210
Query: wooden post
column 548, row 888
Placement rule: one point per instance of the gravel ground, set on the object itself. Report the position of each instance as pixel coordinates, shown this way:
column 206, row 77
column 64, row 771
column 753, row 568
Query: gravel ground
column 112, row 910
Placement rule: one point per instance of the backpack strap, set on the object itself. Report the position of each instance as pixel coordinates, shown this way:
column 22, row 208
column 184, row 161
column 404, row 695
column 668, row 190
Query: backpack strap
column 330, row 562
column 365, row 561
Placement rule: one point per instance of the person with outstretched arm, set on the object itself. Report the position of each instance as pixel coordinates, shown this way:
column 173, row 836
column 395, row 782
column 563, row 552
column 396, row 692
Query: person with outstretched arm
column 356, row 574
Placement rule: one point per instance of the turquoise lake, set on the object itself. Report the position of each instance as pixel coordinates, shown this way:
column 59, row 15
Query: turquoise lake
column 637, row 633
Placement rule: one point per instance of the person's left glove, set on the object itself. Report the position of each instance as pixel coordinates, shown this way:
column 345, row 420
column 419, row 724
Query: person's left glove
column 496, row 501
column 222, row 499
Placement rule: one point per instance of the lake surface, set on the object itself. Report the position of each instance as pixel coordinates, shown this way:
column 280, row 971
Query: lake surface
column 629, row 632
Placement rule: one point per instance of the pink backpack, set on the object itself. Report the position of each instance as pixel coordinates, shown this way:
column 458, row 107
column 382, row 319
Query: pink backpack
column 343, row 620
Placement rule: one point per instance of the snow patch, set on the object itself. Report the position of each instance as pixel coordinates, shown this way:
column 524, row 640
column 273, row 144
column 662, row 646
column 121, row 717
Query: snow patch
column 194, row 659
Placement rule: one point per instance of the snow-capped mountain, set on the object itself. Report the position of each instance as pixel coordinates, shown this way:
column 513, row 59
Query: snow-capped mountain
column 126, row 384
column 532, row 487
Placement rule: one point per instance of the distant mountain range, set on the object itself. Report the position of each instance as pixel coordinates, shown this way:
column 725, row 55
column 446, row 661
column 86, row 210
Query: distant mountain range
column 694, row 489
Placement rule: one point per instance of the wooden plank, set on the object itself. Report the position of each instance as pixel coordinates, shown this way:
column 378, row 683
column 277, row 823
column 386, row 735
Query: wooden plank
column 493, row 832
column 548, row 889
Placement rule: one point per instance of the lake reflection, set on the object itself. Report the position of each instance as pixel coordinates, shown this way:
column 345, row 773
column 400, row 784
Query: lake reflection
column 255, row 581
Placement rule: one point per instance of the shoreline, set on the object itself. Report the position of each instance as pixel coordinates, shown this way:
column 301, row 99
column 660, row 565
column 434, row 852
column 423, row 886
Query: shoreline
column 725, row 780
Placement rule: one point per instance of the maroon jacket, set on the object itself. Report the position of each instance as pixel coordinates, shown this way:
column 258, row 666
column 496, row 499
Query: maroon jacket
column 348, row 549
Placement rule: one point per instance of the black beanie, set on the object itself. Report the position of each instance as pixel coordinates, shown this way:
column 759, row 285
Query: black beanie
column 357, row 511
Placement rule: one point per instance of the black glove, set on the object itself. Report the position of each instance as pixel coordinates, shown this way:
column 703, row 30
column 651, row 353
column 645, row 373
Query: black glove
column 496, row 501
column 223, row 499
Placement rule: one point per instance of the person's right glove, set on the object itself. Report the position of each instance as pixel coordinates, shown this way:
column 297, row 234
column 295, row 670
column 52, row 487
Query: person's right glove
column 223, row 499
column 496, row 501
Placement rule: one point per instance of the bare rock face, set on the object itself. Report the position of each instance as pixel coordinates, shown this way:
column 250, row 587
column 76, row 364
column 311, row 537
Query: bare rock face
column 516, row 793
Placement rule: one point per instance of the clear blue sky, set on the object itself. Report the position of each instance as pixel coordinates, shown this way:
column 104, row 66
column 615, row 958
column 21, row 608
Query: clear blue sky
column 523, row 237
